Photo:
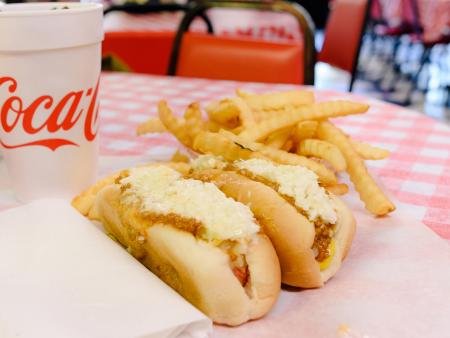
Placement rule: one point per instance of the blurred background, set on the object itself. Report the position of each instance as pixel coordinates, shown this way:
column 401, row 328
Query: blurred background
column 393, row 50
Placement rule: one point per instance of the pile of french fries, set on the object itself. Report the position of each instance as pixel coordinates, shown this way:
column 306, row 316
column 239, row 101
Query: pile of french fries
column 285, row 127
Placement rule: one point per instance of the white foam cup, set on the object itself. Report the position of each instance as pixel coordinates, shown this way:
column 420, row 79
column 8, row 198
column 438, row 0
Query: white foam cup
column 50, row 58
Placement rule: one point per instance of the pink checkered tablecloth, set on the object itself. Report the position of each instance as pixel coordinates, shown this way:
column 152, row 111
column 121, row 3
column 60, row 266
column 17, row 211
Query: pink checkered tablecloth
column 257, row 24
column 417, row 173
column 434, row 15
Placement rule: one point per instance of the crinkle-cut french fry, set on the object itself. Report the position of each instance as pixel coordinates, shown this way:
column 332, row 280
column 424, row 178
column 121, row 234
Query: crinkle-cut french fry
column 277, row 100
column 85, row 201
column 178, row 157
column 223, row 112
column 304, row 130
column 193, row 112
column 193, row 120
column 293, row 116
column 369, row 152
column 324, row 150
column 253, row 146
column 173, row 124
column 213, row 126
column 337, row 189
column 237, row 130
column 245, row 113
column 219, row 145
column 152, row 125
column 373, row 197
column 278, row 139
column 261, row 115
column 242, row 93
column 182, row 167
column 288, row 146
column 325, row 175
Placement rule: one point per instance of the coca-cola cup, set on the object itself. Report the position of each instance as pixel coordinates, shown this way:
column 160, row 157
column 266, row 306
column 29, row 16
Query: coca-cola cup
column 50, row 57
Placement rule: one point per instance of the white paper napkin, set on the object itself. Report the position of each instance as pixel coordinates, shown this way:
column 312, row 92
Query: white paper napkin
column 61, row 277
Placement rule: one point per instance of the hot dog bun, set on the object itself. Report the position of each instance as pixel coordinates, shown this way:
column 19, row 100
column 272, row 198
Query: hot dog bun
column 196, row 268
column 291, row 233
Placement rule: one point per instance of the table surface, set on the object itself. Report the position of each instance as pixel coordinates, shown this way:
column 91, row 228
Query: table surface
column 417, row 173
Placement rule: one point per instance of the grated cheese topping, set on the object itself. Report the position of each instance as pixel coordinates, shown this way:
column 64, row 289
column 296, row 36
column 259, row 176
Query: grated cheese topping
column 163, row 190
column 297, row 182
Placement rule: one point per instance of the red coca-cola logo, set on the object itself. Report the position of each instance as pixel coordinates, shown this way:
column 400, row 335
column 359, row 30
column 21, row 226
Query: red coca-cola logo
column 61, row 115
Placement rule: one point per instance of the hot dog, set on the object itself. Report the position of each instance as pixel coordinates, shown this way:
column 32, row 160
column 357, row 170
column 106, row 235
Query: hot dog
column 206, row 246
column 311, row 229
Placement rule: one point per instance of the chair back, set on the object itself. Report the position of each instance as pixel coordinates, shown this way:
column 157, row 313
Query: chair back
column 143, row 51
column 225, row 58
column 343, row 34
column 244, row 59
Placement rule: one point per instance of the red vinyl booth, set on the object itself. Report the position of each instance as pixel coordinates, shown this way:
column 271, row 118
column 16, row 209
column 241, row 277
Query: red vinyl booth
column 142, row 52
column 217, row 57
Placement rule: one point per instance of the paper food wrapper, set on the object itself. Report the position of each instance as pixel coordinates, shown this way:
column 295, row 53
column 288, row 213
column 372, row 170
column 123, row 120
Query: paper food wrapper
column 394, row 283
column 62, row 277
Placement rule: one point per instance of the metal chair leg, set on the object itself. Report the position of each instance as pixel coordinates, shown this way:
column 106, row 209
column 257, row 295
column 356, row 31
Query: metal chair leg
column 447, row 103
column 396, row 69
column 388, row 61
column 423, row 60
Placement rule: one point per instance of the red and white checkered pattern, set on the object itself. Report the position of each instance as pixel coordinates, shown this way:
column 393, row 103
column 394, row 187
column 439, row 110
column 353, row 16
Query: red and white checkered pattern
column 434, row 15
column 417, row 173
column 265, row 25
